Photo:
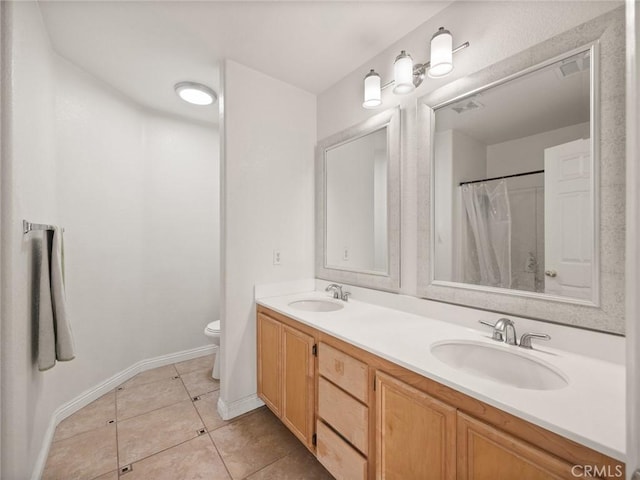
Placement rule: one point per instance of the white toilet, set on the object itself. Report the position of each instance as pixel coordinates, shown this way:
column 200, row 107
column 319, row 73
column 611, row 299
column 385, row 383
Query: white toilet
column 213, row 332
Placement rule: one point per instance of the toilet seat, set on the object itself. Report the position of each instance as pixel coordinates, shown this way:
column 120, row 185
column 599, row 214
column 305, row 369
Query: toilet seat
column 213, row 327
column 212, row 331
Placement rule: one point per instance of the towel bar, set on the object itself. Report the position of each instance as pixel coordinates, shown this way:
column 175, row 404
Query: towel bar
column 28, row 226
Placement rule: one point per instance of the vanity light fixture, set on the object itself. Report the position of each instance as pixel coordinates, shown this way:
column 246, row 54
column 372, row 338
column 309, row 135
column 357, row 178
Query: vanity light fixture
column 372, row 92
column 403, row 74
column 195, row 93
column 407, row 75
column 441, row 62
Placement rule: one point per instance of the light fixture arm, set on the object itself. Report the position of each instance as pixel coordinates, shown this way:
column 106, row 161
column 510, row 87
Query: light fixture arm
column 420, row 69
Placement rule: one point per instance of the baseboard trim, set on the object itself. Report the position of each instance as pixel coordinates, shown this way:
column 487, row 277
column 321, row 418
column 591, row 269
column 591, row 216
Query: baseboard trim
column 234, row 409
column 88, row 396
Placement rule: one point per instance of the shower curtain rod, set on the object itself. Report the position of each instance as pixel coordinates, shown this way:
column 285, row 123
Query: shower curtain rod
column 500, row 178
column 28, row 226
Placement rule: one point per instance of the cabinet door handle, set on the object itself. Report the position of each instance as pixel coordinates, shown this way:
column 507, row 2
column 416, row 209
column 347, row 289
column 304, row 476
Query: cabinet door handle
column 551, row 273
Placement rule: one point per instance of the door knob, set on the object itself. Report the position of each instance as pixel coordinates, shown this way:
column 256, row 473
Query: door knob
column 550, row 273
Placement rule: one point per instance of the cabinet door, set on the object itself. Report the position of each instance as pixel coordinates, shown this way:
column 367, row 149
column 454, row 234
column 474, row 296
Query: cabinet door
column 415, row 433
column 485, row 452
column 269, row 362
column 298, row 384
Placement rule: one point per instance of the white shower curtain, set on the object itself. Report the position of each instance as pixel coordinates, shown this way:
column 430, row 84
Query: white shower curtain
column 487, row 259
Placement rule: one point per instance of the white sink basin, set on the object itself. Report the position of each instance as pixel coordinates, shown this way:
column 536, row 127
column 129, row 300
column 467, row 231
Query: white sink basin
column 516, row 369
column 316, row 305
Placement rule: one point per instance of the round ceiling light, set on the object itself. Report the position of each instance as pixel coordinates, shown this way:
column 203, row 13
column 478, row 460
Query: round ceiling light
column 196, row 93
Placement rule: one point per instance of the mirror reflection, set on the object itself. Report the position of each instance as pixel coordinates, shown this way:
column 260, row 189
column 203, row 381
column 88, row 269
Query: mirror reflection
column 513, row 184
column 356, row 204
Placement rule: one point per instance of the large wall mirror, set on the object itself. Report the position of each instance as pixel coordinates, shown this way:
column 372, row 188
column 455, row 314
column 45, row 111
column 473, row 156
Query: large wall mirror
column 521, row 182
column 514, row 196
column 358, row 198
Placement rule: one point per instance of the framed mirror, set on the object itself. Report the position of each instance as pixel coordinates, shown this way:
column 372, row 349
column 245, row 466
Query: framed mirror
column 357, row 193
column 521, row 183
column 514, row 191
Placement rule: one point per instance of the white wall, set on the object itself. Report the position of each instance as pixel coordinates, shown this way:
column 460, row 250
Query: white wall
column 137, row 193
column 354, row 172
column 268, row 137
column 139, row 196
column 380, row 194
column 458, row 158
column 28, row 189
column 515, row 26
column 443, row 195
column 527, row 154
column 469, row 160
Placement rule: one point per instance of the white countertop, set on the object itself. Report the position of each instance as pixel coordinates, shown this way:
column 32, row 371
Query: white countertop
column 590, row 410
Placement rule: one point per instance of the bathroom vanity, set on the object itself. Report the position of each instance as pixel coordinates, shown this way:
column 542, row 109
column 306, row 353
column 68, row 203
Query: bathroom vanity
column 370, row 399
column 509, row 206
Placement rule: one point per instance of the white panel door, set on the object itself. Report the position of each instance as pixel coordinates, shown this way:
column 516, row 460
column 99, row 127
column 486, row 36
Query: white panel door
column 568, row 223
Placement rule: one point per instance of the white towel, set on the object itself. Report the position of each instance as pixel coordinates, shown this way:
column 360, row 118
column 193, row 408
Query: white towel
column 46, row 332
column 55, row 338
column 64, row 337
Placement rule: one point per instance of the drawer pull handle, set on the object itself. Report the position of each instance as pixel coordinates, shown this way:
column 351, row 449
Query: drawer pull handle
column 338, row 366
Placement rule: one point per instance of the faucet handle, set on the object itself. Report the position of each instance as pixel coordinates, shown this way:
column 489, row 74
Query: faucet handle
column 488, row 324
column 497, row 331
column 525, row 340
column 345, row 296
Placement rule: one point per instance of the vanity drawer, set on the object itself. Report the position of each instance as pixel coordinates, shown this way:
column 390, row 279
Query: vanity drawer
column 348, row 373
column 341, row 459
column 344, row 413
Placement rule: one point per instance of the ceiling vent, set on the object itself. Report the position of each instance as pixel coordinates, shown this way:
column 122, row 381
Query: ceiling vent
column 572, row 66
column 466, row 106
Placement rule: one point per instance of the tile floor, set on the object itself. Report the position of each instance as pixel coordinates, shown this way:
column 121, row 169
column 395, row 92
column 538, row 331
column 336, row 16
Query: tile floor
column 163, row 425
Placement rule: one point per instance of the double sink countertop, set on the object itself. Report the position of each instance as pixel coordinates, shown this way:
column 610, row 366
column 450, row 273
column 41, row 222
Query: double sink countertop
column 590, row 410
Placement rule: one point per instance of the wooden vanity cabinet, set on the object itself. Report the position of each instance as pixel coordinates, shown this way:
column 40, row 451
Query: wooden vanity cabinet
column 270, row 362
column 377, row 420
column 286, row 375
column 415, row 433
column 485, row 452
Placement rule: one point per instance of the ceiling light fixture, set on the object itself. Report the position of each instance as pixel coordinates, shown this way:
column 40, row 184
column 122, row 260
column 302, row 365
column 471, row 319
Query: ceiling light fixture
column 407, row 75
column 195, row 93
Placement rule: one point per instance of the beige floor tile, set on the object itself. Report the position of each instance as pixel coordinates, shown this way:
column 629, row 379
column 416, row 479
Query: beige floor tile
column 200, row 382
column 196, row 459
column 298, row 465
column 139, row 399
column 108, row 476
column 153, row 375
column 144, row 435
column 253, row 442
column 207, row 407
column 195, row 364
column 83, row 456
column 94, row 415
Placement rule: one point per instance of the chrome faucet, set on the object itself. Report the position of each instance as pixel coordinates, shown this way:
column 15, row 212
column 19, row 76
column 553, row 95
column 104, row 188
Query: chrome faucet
column 336, row 289
column 504, row 330
column 338, row 294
